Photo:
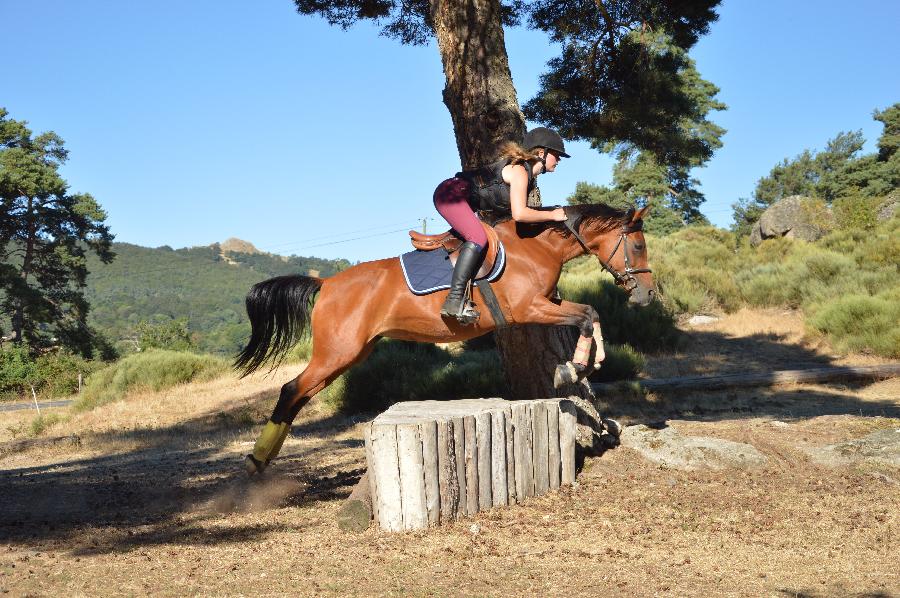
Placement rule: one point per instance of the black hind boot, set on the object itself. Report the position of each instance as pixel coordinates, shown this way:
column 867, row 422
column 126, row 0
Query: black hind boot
column 467, row 264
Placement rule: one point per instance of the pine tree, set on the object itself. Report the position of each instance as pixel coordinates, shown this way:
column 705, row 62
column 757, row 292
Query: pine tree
column 45, row 232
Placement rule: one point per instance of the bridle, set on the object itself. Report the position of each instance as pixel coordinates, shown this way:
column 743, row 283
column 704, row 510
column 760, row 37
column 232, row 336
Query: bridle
column 626, row 278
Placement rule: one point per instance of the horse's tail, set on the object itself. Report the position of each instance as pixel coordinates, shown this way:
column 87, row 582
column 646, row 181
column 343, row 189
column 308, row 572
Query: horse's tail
column 279, row 310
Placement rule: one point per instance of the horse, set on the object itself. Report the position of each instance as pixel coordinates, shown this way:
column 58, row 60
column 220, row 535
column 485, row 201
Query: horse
column 365, row 302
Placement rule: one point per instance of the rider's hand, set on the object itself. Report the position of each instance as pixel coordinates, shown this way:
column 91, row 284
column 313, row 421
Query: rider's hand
column 559, row 215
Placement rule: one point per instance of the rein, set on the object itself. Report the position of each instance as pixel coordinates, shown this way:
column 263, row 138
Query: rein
column 625, row 279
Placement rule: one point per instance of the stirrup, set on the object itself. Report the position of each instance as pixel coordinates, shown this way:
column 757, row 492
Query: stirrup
column 468, row 314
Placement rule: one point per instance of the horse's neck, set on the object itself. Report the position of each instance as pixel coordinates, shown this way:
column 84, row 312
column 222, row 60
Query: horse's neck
column 545, row 242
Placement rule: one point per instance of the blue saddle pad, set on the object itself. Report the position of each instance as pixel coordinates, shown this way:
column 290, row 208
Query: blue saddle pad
column 429, row 271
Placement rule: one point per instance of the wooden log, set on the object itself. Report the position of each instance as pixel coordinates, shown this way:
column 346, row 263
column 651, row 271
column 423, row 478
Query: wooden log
column 774, row 378
column 483, row 448
column 370, row 459
column 471, row 465
column 510, row 456
column 553, row 450
column 412, row 477
column 355, row 515
column 448, row 482
column 528, row 459
column 568, row 422
column 428, row 432
column 459, row 442
column 387, row 477
column 499, row 492
column 541, row 448
column 431, row 462
column 524, row 453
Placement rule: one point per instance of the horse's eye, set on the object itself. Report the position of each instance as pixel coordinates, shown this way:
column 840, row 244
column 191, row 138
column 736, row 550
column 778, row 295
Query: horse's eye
column 638, row 246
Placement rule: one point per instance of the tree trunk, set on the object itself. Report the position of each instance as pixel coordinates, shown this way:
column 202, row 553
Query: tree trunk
column 479, row 91
column 482, row 101
column 18, row 319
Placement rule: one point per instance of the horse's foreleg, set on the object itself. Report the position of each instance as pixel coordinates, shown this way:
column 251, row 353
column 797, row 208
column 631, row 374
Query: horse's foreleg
column 594, row 336
column 583, row 317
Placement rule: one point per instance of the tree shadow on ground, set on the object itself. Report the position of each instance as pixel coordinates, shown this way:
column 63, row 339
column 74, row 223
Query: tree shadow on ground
column 712, row 353
column 176, row 483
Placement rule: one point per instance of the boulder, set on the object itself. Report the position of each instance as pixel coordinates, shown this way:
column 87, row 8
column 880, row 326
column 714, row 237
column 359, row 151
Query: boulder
column 881, row 447
column 792, row 217
column 888, row 207
column 668, row 448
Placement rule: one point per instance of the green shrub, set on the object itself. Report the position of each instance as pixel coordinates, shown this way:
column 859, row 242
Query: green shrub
column 152, row 370
column 17, row 370
column 302, row 350
column 622, row 362
column 171, row 334
column 40, row 423
column 861, row 323
column 650, row 328
column 58, row 372
column 53, row 374
column 693, row 269
column 856, row 212
column 405, row 371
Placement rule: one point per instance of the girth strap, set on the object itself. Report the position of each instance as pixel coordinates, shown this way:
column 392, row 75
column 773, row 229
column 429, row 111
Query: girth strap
column 493, row 305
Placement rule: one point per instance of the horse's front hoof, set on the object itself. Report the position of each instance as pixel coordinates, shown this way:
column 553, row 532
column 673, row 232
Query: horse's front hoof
column 253, row 466
column 565, row 374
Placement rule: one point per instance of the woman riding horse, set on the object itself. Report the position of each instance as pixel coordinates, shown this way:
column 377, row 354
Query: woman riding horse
column 502, row 188
column 369, row 301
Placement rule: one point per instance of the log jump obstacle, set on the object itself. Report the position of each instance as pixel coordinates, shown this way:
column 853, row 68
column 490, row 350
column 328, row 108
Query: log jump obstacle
column 430, row 462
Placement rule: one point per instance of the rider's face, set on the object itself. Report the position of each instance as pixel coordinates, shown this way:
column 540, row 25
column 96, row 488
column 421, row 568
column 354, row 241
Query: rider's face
column 551, row 159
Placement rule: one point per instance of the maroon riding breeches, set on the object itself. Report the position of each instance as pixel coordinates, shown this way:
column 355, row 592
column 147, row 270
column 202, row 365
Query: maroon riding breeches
column 451, row 199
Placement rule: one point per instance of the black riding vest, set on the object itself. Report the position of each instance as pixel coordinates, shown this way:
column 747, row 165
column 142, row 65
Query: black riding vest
column 488, row 189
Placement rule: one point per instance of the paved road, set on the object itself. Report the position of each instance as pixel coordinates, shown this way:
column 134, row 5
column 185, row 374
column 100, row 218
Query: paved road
column 42, row 405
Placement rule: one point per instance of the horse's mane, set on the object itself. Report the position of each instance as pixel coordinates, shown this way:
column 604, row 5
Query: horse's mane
column 599, row 215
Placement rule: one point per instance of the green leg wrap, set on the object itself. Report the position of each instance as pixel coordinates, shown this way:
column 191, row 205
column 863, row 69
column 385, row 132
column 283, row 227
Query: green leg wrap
column 277, row 448
column 269, row 442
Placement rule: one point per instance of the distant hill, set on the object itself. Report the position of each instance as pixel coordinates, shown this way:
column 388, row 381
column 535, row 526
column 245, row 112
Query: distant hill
column 206, row 285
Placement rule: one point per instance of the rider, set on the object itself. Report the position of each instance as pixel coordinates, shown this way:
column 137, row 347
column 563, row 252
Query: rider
column 501, row 187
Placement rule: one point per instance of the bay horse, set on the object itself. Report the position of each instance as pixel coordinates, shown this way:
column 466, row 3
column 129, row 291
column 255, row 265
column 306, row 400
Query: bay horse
column 357, row 306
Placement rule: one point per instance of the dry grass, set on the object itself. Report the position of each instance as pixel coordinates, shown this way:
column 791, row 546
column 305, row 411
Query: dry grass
column 751, row 340
column 151, row 501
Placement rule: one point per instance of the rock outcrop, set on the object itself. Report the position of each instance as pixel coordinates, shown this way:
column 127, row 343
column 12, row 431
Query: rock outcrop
column 792, row 217
column 668, row 448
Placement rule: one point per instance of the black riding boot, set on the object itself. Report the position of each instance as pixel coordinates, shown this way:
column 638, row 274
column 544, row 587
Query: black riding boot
column 467, row 264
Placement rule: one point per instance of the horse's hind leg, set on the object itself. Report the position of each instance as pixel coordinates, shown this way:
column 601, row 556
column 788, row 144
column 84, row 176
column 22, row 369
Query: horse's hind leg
column 326, row 364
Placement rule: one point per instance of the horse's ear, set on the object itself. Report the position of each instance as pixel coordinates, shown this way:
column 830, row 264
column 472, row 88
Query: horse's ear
column 639, row 214
column 629, row 216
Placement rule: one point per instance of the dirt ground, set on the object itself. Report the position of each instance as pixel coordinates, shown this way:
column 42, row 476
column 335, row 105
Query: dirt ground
column 147, row 495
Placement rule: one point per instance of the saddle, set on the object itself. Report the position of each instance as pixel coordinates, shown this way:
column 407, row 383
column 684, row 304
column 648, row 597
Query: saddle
column 451, row 241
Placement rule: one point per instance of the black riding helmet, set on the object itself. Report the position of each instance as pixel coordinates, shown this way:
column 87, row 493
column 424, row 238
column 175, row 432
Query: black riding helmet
column 547, row 138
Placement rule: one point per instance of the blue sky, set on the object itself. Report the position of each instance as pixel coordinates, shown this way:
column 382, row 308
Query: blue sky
column 192, row 122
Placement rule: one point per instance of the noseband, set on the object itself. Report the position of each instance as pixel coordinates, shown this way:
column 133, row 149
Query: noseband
column 626, row 278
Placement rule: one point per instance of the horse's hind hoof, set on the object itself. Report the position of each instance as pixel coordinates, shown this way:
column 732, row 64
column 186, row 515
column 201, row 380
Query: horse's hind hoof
column 565, row 374
column 253, row 466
